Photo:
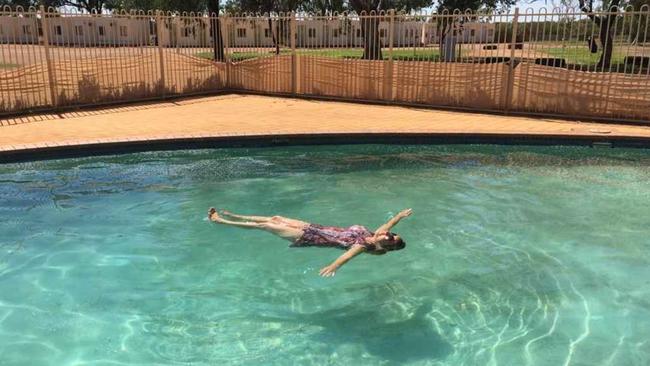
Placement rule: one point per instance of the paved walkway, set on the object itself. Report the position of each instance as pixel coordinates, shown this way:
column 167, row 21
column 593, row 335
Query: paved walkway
column 237, row 115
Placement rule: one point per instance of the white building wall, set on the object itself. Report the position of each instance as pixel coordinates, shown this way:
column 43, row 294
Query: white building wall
column 98, row 31
column 18, row 30
column 477, row 33
column 337, row 33
column 195, row 32
column 409, row 33
column 251, row 33
column 188, row 32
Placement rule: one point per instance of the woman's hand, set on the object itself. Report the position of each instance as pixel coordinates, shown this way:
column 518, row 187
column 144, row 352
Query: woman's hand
column 405, row 213
column 329, row 271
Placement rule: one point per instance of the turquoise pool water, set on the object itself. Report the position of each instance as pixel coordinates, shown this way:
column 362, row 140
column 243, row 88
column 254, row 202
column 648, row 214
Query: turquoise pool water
column 515, row 256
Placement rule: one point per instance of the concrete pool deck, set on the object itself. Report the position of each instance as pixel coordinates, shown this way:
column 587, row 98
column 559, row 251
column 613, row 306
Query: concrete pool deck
column 229, row 117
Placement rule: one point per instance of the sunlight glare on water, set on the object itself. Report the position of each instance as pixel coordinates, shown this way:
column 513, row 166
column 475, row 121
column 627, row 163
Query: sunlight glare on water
column 515, row 256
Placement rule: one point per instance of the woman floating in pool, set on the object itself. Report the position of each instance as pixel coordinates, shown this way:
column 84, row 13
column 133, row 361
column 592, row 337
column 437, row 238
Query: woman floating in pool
column 355, row 239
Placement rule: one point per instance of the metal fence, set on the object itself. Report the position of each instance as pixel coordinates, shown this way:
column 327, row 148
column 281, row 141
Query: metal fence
column 563, row 62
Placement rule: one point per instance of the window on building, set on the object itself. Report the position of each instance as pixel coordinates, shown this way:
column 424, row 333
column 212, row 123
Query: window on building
column 58, row 30
column 241, row 32
column 382, row 33
column 78, row 30
column 267, row 33
column 312, row 32
column 27, row 29
column 123, row 31
column 100, row 30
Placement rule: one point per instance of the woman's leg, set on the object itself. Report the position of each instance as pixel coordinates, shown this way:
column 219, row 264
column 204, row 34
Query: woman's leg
column 247, row 218
column 291, row 222
column 285, row 231
column 276, row 219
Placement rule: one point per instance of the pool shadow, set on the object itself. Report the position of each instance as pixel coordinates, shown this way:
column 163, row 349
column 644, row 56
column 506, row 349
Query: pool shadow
column 397, row 342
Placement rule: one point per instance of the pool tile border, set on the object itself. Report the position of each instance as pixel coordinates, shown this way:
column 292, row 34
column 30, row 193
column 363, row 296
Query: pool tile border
column 112, row 146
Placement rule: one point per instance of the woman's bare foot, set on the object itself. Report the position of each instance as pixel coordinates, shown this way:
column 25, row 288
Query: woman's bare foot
column 213, row 215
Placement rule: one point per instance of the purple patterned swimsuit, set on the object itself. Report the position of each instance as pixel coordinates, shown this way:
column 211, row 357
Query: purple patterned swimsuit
column 316, row 235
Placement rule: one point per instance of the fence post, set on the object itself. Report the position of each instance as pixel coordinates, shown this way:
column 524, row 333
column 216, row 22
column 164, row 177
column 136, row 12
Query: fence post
column 51, row 77
column 388, row 71
column 159, row 30
column 511, row 64
column 226, row 42
column 294, row 61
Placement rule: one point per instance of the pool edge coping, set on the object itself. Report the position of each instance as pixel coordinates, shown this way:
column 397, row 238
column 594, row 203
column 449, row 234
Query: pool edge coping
column 113, row 146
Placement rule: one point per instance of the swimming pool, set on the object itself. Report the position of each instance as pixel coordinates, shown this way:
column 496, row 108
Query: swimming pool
column 515, row 256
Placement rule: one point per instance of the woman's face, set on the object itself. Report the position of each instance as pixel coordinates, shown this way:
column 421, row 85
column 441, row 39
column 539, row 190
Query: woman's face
column 385, row 238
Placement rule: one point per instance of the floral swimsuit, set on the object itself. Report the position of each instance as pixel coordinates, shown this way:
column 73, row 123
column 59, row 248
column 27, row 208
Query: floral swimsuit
column 316, row 235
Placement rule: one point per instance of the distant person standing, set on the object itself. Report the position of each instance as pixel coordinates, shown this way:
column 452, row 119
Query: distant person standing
column 449, row 47
column 593, row 46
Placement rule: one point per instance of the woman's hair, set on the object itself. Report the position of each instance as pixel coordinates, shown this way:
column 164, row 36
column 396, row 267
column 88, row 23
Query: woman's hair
column 395, row 244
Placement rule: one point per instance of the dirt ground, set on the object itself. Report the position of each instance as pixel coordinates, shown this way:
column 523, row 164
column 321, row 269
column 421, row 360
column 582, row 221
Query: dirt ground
column 236, row 115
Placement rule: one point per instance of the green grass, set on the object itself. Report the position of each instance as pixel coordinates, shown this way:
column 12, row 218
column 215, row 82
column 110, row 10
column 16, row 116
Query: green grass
column 575, row 54
column 8, row 66
column 239, row 56
column 582, row 55
column 581, row 59
column 420, row 54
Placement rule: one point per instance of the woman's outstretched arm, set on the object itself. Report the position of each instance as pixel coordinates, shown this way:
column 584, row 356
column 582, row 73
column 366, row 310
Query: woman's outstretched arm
column 330, row 270
column 392, row 222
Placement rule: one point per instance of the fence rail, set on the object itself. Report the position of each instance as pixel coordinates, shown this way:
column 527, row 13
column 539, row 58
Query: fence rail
column 560, row 62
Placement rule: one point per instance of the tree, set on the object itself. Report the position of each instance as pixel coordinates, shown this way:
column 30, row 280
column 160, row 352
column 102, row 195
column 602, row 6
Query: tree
column 269, row 7
column 85, row 5
column 165, row 5
column 446, row 25
column 370, row 24
column 638, row 31
column 13, row 4
column 323, row 6
column 605, row 23
column 25, row 4
column 197, row 6
column 215, row 26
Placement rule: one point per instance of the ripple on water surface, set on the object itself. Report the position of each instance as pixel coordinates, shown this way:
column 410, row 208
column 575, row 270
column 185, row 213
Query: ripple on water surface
column 515, row 256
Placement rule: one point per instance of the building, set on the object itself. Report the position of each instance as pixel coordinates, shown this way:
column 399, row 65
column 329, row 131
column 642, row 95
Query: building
column 256, row 32
column 181, row 31
column 98, row 31
column 186, row 32
column 466, row 32
column 349, row 33
column 19, row 29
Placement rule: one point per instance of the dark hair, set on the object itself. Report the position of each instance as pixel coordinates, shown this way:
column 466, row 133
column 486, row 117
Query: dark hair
column 396, row 244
